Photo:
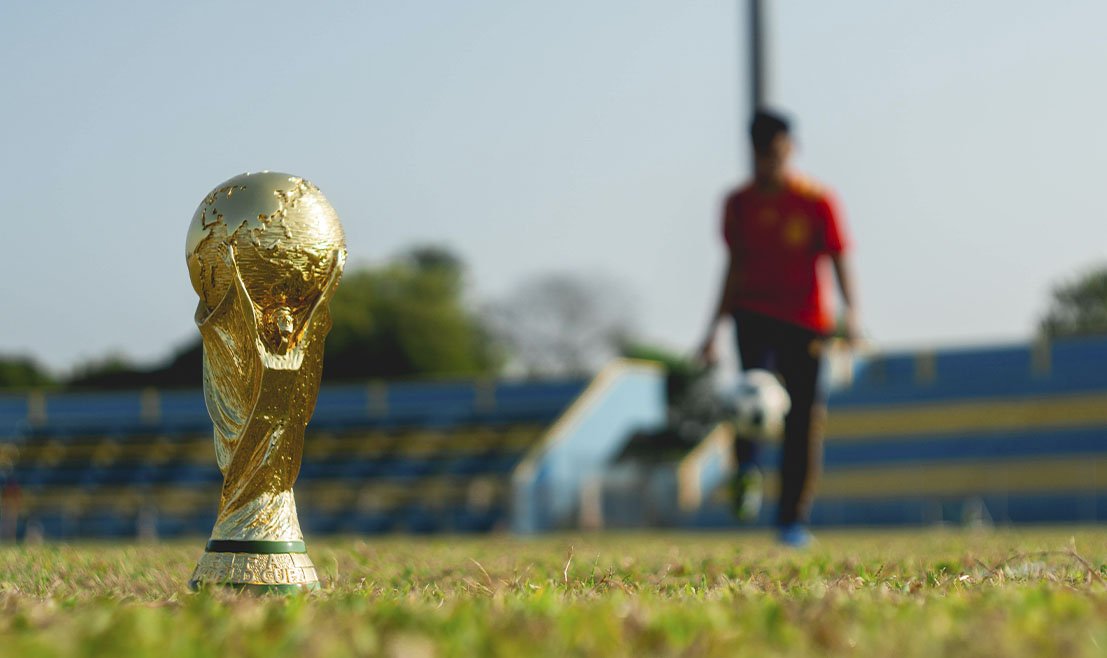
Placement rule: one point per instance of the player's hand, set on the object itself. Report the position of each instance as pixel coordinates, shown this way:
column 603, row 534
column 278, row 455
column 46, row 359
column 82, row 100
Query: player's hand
column 851, row 329
column 708, row 355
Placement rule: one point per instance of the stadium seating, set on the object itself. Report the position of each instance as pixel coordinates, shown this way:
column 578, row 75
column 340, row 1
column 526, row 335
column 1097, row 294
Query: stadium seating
column 1010, row 433
column 406, row 457
column 1005, row 434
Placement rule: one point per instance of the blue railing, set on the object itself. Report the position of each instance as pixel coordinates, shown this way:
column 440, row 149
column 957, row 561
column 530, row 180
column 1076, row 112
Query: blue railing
column 1016, row 432
column 444, row 404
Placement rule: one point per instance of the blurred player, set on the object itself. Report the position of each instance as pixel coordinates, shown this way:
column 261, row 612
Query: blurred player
column 779, row 229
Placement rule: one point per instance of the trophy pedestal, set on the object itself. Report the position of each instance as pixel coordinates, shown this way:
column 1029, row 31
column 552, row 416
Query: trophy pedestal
column 256, row 566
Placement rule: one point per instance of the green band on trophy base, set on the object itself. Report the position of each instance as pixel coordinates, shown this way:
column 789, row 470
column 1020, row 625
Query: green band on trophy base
column 254, row 546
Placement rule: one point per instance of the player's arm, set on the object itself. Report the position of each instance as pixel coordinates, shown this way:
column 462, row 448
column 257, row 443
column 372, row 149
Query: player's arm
column 843, row 270
column 723, row 308
column 837, row 247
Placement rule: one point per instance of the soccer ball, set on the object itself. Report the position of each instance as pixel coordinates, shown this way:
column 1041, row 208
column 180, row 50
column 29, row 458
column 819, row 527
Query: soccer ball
column 760, row 405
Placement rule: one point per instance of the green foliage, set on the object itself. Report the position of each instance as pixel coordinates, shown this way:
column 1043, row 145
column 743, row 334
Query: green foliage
column 18, row 373
column 112, row 371
column 407, row 318
column 1078, row 307
column 675, row 364
column 907, row 594
column 688, row 388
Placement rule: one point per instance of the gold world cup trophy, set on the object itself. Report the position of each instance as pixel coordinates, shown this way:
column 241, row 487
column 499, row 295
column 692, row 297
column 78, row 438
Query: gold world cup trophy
column 265, row 252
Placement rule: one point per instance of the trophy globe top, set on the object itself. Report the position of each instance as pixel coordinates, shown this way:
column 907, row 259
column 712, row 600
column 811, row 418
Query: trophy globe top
column 279, row 235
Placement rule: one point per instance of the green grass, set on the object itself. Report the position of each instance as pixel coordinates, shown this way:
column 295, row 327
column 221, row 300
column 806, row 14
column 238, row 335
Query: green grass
column 914, row 593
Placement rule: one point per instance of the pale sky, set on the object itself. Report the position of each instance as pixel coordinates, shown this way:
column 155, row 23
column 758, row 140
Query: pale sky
column 966, row 140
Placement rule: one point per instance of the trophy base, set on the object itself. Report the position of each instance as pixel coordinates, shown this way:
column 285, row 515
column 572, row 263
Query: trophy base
column 256, row 566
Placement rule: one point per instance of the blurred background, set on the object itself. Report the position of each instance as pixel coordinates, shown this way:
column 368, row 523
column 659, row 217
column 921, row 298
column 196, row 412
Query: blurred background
column 530, row 192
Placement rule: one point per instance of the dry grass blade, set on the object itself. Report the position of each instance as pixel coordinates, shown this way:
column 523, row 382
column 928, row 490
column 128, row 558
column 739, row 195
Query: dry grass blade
column 1071, row 553
column 565, row 572
column 1088, row 567
column 491, row 585
column 472, row 584
column 609, row 580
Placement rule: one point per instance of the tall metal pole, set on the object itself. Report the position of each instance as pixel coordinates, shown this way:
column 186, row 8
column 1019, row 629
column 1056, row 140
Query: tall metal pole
column 756, row 33
column 757, row 55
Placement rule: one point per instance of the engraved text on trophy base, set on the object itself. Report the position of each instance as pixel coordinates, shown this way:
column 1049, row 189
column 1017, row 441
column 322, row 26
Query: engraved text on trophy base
column 255, row 569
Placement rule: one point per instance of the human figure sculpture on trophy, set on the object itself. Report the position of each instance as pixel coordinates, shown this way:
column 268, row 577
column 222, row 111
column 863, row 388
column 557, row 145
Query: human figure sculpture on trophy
column 265, row 252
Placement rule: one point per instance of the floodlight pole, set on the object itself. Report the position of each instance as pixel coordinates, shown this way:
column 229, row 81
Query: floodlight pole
column 756, row 32
column 756, row 55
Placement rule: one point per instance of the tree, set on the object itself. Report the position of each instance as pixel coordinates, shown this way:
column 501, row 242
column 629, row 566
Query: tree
column 1078, row 307
column 558, row 324
column 20, row 372
column 109, row 372
column 407, row 318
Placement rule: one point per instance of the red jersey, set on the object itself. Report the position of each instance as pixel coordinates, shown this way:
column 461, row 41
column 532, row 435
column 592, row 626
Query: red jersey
column 778, row 240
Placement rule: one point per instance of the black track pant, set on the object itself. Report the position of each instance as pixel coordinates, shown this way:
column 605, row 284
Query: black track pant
column 794, row 353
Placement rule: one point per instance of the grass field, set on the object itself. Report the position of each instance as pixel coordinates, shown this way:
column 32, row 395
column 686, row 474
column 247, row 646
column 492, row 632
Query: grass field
column 909, row 593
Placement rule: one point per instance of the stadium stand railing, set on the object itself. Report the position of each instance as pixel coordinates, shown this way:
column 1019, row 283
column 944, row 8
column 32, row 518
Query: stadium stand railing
column 415, row 457
column 1005, row 434
column 1011, row 434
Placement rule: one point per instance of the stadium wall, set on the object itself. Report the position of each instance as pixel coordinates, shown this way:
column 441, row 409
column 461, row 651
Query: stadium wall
column 1010, row 434
column 547, row 485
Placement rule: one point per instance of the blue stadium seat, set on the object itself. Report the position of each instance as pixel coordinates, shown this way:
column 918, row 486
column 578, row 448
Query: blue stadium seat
column 372, row 522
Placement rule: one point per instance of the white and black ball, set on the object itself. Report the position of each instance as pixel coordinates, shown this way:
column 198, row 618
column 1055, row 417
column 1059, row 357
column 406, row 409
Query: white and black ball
column 760, row 406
